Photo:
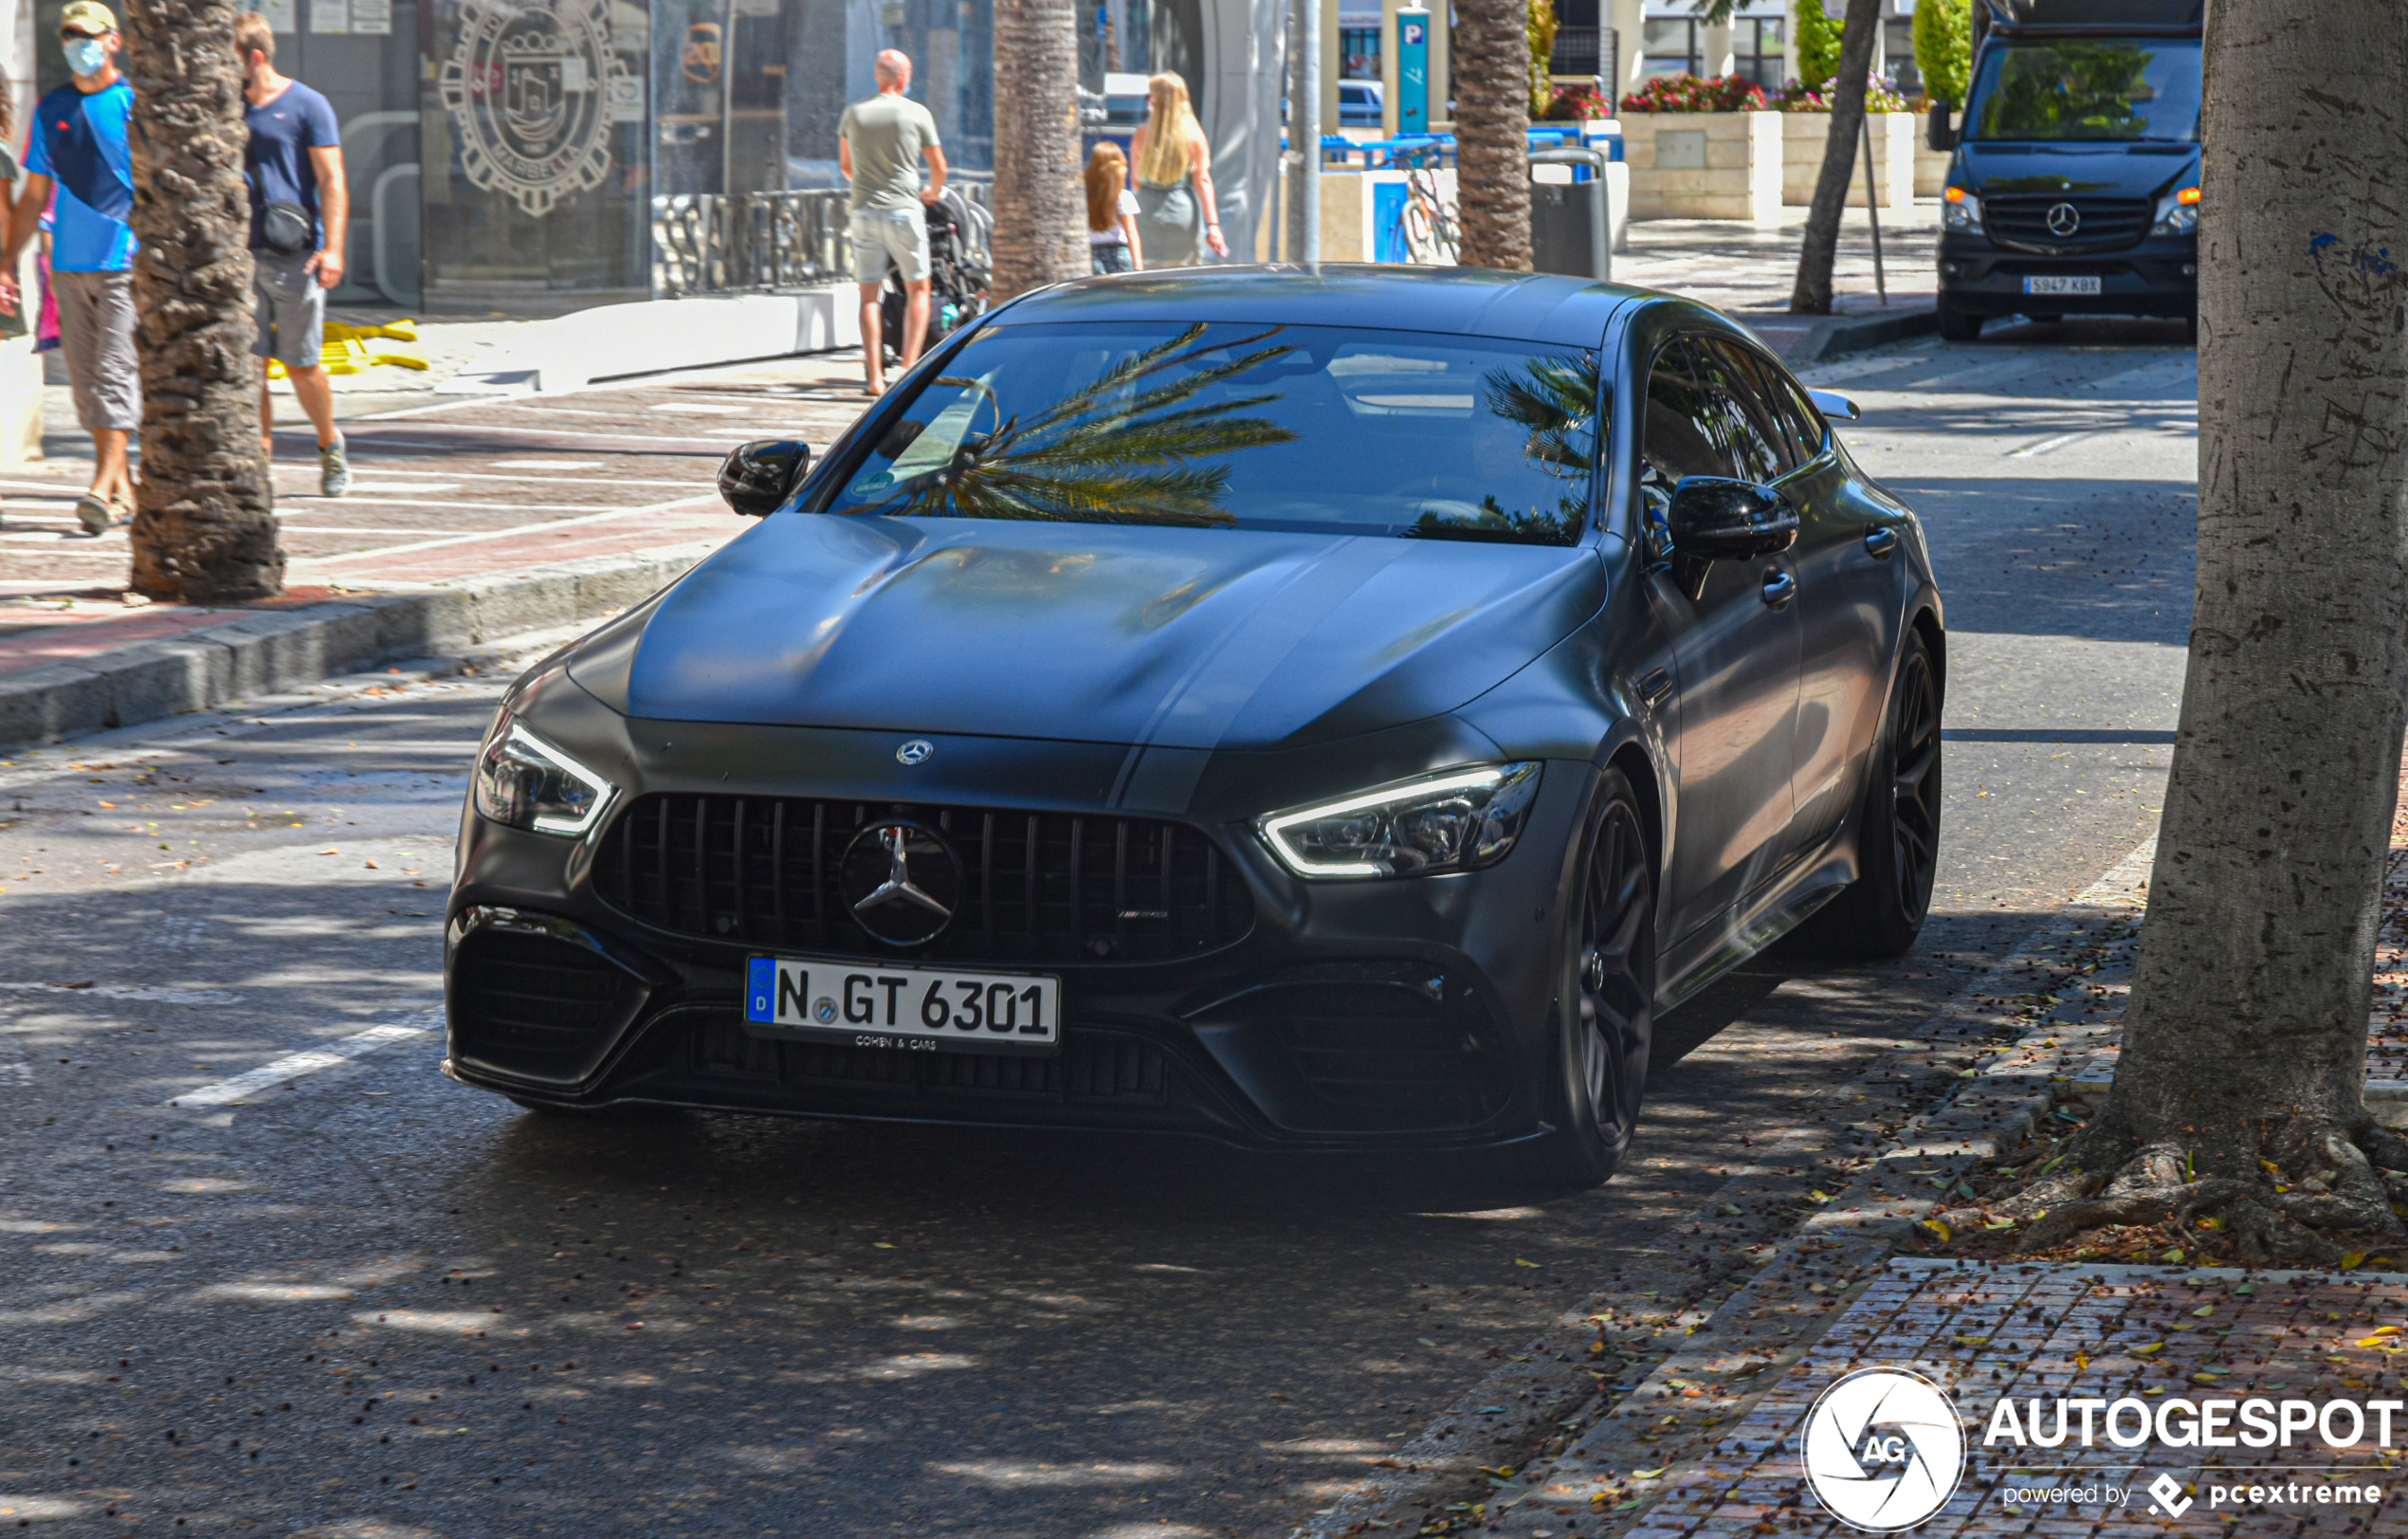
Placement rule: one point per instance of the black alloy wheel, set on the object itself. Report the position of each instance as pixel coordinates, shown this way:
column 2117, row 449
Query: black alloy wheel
column 1897, row 838
column 1606, row 1006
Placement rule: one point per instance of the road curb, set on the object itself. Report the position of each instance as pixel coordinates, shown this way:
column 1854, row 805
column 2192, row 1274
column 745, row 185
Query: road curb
column 1843, row 334
column 288, row 650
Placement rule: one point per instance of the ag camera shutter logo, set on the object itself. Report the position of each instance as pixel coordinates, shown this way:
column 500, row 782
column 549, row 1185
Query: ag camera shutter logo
column 1884, row 1449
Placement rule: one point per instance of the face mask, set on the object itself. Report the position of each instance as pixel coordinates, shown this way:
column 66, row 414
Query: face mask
column 86, row 55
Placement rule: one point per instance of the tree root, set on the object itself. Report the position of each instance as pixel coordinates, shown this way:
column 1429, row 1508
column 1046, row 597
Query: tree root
column 2267, row 1200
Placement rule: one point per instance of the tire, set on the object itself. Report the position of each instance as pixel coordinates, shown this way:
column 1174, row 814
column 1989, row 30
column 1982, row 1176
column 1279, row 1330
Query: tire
column 1605, row 1003
column 1959, row 325
column 1898, row 826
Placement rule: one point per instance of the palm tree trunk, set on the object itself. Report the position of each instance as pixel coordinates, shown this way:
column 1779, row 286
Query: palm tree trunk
column 2246, row 1034
column 1811, row 293
column 1040, row 206
column 205, row 522
column 1491, row 69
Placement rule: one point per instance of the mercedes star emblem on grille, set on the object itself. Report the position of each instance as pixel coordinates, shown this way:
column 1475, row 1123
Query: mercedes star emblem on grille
column 915, row 752
column 903, row 882
column 2064, row 219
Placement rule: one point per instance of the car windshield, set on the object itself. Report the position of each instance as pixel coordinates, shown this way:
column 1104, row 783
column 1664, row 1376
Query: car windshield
column 1318, row 429
column 2125, row 88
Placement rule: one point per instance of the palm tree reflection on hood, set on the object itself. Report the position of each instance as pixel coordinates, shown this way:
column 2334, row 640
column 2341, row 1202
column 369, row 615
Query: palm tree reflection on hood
column 1554, row 398
column 1120, row 449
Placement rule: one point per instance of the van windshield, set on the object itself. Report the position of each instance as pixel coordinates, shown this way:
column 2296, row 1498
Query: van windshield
column 2088, row 89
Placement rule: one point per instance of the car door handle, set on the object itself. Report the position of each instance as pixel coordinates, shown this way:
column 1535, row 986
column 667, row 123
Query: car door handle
column 1657, row 684
column 1880, row 541
column 1779, row 588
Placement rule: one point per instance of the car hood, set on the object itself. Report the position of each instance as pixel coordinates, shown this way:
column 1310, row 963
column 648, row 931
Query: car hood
column 1194, row 638
column 2132, row 169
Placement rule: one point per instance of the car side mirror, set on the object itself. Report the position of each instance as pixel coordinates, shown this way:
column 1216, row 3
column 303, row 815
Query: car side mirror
column 1716, row 518
column 1831, row 403
column 758, row 477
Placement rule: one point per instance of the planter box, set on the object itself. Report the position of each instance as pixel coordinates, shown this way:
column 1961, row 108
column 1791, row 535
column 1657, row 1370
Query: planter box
column 1895, row 136
column 1704, row 165
column 1931, row 169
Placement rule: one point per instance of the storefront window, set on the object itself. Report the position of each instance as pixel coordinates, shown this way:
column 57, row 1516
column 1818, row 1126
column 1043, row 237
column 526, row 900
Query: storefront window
column 536, row 181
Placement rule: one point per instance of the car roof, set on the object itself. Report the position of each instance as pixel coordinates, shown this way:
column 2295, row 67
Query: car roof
column 1469, row 301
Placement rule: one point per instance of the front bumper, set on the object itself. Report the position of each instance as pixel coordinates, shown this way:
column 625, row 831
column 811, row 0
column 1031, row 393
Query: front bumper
column 2159, row 277
column 1336, row 1014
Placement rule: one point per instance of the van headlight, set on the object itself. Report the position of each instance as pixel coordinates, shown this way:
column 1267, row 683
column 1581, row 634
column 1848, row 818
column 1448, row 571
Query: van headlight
column 2178, row 215
column 1458, row 822
column 524, row 782
column 1959, row 211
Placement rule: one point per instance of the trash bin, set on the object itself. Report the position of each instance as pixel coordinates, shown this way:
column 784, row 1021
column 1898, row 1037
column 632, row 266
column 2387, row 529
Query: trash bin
column 1568, row 223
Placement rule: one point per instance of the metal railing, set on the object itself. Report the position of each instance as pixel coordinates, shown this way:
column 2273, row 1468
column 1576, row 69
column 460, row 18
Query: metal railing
column 709, row 242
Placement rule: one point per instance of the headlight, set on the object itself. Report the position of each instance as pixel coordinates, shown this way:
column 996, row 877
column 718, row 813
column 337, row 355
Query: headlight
column 1458, row 822
column 525, row 783
column 1959, row 211
column 2179, row 214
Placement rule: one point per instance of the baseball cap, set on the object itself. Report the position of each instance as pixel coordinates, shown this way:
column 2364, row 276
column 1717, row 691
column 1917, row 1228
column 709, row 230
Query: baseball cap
column 88, row 15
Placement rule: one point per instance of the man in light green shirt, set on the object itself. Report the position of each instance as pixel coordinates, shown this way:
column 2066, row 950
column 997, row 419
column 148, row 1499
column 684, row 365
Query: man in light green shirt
column 880, row 143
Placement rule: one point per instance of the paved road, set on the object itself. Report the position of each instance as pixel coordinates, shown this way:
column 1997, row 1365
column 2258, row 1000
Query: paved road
column 370, row 1302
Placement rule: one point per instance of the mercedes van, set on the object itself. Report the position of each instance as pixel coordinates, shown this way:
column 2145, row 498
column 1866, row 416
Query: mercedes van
column 2075, row 188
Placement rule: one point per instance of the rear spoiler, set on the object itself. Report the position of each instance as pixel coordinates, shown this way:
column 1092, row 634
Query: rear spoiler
column 2076, row 18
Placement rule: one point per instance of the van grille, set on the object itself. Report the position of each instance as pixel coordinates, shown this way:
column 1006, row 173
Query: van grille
column 2020, row 221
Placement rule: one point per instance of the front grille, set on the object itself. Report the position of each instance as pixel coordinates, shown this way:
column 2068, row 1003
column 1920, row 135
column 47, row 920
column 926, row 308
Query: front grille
column 2020, row 221
column 532, row 1002
column 1041, row 887
column 1091, row 1067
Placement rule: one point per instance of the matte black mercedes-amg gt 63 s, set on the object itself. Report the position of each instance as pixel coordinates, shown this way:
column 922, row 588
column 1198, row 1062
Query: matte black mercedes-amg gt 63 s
column 1314, row 712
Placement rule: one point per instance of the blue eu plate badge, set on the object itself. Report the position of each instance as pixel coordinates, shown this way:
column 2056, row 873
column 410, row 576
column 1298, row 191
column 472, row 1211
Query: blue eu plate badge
column 760, row 990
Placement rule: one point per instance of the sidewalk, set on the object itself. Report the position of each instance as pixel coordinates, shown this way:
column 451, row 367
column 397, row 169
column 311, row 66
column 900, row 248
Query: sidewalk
column 1711, row 1441
column 568, row 506
column 1750, row 270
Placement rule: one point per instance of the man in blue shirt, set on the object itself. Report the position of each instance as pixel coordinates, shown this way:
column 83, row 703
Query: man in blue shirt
column 298, row 209
column 78, row 146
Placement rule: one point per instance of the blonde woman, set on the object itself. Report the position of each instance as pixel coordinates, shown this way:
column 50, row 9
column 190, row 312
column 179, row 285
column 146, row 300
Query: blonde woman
column 1173, row 168
column 1113, row 243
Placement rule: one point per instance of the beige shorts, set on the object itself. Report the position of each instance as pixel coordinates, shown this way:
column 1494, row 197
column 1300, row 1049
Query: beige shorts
column 883, row 235
column 95, row 332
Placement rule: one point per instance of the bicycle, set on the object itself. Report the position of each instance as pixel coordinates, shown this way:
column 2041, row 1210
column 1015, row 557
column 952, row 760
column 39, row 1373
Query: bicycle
column 1426, row 224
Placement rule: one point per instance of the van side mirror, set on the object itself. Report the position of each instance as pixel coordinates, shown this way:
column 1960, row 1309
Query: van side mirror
column 1718, row 519
column 1941, row 131
column 758, row 477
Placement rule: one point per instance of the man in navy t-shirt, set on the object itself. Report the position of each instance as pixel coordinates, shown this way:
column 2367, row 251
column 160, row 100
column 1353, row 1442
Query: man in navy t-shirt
column 298, row 209
column 78, row 146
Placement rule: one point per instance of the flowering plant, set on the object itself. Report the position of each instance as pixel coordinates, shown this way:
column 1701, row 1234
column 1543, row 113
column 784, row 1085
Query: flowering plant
column 1571, row 104
column 1880, row 96
column 1689, row 93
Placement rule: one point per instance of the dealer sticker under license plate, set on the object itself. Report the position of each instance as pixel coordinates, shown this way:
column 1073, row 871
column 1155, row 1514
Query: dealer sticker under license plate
column 927, row 1009
column 2079, row 284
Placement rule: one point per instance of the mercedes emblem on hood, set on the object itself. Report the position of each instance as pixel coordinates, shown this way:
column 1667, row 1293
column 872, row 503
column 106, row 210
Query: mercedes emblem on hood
column 2064, row 219
column 901, row 881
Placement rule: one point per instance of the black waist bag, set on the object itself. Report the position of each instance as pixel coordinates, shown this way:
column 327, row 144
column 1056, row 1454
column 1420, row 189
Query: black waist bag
column 285, row 227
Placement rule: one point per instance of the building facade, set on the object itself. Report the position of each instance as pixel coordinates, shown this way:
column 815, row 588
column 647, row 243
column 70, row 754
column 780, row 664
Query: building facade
column 507, row 155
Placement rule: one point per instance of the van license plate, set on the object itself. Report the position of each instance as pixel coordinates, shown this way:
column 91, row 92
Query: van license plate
column 857, row 1001
column 2084, row 284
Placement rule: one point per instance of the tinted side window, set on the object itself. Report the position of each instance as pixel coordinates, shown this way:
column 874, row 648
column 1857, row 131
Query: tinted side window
column 1804, row 423
column 1680, row 435
column 1750, row 429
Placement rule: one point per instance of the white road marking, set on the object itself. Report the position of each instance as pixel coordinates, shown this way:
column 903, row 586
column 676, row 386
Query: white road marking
column 294, row 1065
column 2044, row 445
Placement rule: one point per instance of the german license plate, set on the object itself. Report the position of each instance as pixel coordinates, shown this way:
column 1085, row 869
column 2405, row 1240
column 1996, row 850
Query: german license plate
column 2062, row 283
column 911, row 1009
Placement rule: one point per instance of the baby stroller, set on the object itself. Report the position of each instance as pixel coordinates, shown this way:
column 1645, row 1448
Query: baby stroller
column 959, row 231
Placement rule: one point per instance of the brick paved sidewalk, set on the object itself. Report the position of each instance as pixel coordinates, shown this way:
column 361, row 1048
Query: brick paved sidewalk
column 462, row 489
column 1711, row 1442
